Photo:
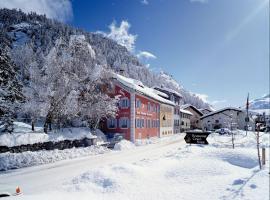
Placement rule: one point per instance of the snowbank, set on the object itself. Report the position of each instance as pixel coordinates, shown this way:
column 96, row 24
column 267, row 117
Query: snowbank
column 190, row 172
column 123, row 145
column 101, row 137
column 155, row 140
column 24, row 135
column 18, row 160
column 240, row 139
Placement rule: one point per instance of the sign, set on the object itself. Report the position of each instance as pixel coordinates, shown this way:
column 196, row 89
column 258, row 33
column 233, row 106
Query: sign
column 196, row 137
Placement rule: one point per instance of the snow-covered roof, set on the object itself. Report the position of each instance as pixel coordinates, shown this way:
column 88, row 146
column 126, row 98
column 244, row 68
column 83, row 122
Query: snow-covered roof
column 193, row 107
column 161, row 93
column 185, row 111
column 138, row 86
column 169, row 90
column 203, row 109
column 221, row 110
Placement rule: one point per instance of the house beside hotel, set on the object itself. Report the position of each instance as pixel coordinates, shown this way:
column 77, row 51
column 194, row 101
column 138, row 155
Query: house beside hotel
column 205, row 111
column 142, row 113
column 195, row 119
column 229, row 117
column 185, row 116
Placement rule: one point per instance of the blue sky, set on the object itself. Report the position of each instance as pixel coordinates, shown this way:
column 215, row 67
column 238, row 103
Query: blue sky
column 216, row 48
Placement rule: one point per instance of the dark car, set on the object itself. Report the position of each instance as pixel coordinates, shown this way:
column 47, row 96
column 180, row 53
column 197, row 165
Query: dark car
column 223, row 131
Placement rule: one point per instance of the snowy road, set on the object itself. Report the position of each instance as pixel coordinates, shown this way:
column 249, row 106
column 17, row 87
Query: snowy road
column 45, row 177
column 166, row 170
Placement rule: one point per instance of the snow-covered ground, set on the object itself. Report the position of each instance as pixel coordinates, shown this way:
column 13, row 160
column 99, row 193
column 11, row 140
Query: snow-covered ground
column 24, row 135
column 165, row 169
column 26, row 159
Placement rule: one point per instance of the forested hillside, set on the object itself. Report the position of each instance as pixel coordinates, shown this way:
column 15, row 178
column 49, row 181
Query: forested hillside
column 54, row 62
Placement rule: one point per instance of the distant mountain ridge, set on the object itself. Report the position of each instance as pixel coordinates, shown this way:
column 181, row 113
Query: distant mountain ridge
column 261, row 104
column 29, row 34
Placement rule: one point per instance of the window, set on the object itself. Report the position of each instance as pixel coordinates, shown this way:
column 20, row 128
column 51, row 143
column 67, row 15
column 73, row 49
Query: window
column 124, row 103
column 149, row 106
column 112, row 123
column 217, row 121
column 149, row 123
column 182, row 123
column 138, row 103
column 123, row 122
column 137, row 122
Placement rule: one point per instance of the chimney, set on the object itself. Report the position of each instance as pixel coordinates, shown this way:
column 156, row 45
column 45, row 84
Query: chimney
column 121, row 71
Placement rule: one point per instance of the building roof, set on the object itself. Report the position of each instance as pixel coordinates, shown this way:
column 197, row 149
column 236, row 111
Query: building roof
column 203, row 109
column 186, row 112
column 192, row 107
column 139, row 87
column 221, row 110
column 168, row 90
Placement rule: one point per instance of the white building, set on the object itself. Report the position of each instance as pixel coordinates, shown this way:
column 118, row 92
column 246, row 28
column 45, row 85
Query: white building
column 226, row 118
column 185, row 116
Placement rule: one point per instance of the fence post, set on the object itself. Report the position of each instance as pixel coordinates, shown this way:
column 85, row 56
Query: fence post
column 263, row 156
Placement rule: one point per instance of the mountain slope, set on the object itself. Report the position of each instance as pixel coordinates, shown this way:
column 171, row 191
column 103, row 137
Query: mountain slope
column 32, row 36
column 261, row 105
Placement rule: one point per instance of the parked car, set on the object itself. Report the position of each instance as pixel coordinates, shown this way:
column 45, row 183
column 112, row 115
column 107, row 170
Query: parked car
column 114, row 138
column 223, row 131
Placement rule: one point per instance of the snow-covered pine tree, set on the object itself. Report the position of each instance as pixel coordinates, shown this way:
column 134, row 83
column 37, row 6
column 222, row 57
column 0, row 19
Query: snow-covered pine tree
column 10, row 91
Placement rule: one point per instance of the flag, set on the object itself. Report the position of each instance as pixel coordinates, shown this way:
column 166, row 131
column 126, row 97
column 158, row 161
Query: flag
column 247, row 104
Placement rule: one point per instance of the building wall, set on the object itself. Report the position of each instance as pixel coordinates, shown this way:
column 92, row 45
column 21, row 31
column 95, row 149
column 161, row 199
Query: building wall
column 195, row 121
column 185, row 122
column 166, row 120
column 222, row 120
column 146, row 117
column 176, row 120
column 123, row 112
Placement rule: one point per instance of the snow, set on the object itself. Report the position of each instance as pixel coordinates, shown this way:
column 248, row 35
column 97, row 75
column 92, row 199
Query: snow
column 169, row 90
column 138, row 86
column 261, row 111
column 22, row 25
column 123, row 145
column 25, row 159
column 170, row 81
column 221, row 110
column 24, row 135
column 168, row 169
column 186, row 111
column 260, row 103
column 101, row 137
column 81, row 39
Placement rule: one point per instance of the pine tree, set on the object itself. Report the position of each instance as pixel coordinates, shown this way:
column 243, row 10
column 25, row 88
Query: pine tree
column 10, row 91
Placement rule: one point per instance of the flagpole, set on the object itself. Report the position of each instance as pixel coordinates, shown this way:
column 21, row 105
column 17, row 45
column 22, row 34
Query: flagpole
column 247, row 118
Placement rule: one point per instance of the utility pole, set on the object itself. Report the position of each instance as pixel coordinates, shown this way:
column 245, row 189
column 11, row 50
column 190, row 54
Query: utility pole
column 232, row 131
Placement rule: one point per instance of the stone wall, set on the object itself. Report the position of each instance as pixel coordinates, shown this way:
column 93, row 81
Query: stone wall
column 65, row 144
